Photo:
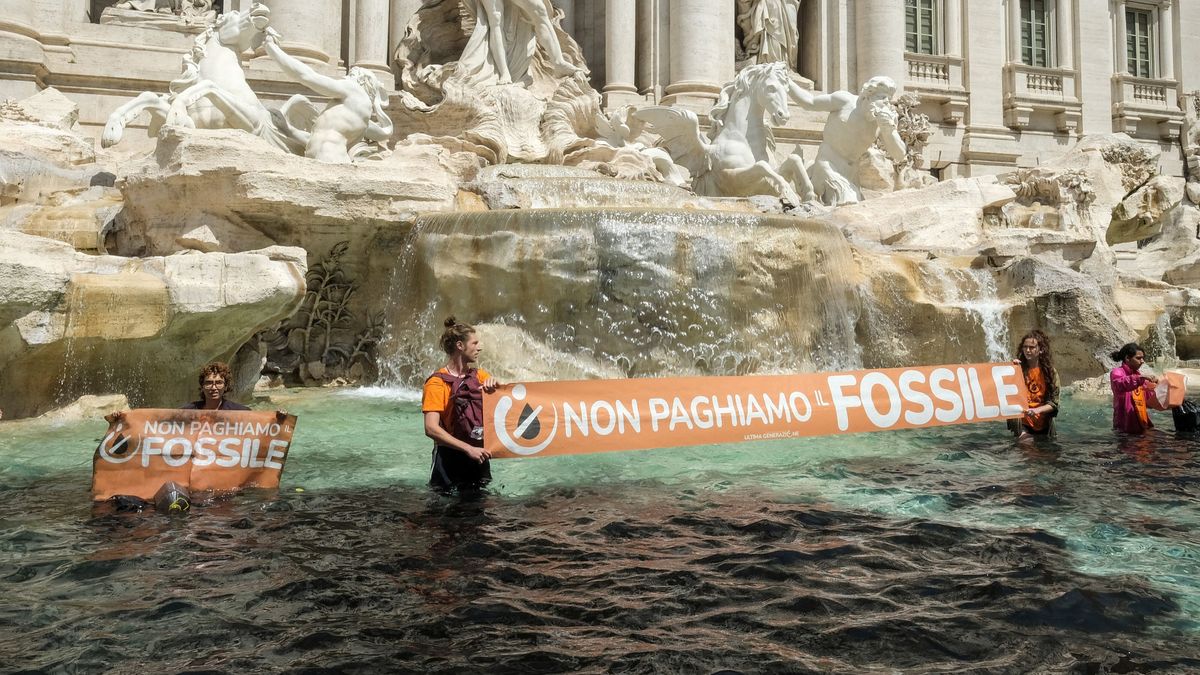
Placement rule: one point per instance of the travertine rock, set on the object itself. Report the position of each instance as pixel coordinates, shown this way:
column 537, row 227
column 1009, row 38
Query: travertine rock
column 74, row 324
column 250, row 195
column 1140, row 215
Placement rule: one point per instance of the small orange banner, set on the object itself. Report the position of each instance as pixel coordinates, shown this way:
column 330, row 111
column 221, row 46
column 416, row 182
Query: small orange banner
column 566, row 418
column 200, row 450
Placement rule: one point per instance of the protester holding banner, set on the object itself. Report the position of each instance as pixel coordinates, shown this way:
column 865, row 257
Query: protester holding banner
column 1041, row 383
column 452, row 403
column 215, row 381
column 1130, row 390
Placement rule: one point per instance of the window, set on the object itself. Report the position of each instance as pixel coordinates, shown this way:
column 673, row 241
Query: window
column 1035, row 33
column 920, row 19
column 1138, row 44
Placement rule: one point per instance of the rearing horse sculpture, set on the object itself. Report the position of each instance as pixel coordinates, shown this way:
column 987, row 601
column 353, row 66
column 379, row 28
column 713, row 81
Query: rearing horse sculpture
column 737, row 160
column 212, row 92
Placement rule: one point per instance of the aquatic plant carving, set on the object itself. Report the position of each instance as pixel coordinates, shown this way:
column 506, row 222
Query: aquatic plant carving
column 913, row 126
column 317, row 344
column 1138, row 164
column 1073, row 187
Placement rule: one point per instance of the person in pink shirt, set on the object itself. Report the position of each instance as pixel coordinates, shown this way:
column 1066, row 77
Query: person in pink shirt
column 1130, row 390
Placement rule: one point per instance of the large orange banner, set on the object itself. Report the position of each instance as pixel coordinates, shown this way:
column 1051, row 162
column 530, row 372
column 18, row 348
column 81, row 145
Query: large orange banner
column 201, row 450
column 564, row 418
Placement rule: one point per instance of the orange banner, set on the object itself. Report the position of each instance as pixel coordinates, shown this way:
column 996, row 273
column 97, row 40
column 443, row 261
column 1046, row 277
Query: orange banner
column 200, row 450
column 565, row 418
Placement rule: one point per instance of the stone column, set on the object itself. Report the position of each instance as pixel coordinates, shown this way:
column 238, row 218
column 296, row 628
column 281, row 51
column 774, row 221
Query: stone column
column 1120, row 53
column 620, row 47
column 371, row 37
column 302, row 25
column 702, row 50
column 953, row 28
column 402, row 12
column 1166, row 40
column 654, row 48
column 1014, row 31
column 879, row 39
column 1064, row 23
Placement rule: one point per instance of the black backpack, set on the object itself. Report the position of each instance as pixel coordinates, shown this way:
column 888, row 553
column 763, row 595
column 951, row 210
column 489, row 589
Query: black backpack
column 1186, row 416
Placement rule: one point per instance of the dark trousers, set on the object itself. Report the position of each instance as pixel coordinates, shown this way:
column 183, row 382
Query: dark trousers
column 453, row 469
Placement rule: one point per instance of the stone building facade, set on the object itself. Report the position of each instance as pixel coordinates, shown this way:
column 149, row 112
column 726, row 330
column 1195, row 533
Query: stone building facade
column 1006, row 83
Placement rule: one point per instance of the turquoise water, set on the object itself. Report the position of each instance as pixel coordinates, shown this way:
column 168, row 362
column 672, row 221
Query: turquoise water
column 930, row 550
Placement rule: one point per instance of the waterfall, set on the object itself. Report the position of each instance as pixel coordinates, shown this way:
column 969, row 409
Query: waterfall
column 626, row 292
column 974, row 291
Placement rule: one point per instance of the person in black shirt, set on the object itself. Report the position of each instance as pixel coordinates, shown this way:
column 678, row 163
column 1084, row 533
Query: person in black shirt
column 215, row 380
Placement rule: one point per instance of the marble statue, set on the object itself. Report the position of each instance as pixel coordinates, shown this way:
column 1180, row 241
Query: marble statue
column 212, row 92
column 506, row 35
column 621, row 128
column 770, row 30
column 188, row 9
column 852, row 127
column 737, row 161
column 355, row 113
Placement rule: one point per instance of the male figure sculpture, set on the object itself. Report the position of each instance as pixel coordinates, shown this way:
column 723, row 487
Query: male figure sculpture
column 853, row 125
column 356, row 112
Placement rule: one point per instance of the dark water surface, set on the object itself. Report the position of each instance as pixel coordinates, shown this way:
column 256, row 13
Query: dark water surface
column 932, row 551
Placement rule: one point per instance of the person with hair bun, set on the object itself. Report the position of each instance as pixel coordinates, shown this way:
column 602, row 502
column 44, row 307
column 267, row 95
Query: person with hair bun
column 1041, row 381
column 1129, row 388
column 452, row 403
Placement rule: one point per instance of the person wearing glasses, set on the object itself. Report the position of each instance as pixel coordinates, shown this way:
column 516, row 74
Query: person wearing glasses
column 215, row 381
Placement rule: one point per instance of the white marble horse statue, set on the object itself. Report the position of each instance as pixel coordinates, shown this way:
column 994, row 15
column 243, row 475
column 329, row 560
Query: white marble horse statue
column 736, row 160
column 212, row 92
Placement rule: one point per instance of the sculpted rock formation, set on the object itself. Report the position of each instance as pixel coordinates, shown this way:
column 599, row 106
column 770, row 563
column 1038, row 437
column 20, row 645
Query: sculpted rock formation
column 75, row 323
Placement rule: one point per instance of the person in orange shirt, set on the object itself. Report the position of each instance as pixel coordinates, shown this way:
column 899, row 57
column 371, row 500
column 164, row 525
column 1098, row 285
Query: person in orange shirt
column 1041, row 380
column 452, row 403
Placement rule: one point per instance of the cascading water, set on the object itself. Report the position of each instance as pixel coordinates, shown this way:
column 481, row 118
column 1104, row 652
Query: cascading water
column 628, row 292
column 974, row 291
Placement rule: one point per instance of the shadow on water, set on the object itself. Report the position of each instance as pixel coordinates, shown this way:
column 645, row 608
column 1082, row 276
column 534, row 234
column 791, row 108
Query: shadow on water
column 931, row 551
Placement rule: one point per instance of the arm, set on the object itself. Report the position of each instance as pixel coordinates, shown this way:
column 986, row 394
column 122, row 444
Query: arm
column 300, row 71
column 434, row 430
column 805, row 99
column 889, row 138
column 1123, row 383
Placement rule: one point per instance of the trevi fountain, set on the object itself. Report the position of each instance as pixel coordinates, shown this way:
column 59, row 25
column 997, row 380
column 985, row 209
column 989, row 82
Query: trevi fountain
column 314, row 236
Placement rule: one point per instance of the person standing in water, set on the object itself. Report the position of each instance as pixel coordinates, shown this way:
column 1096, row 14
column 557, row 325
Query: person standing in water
column 452, row 403
column 215, row 382
column 1129, row 390
column 1041, row 381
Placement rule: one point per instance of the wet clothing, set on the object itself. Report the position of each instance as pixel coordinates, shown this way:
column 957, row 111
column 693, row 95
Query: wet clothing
column 226, row 404
column 453, row 468
column 1043, row 390
column 1129, row 389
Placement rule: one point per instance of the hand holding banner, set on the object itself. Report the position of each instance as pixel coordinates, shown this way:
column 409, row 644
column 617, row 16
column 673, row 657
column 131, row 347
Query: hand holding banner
column 200, row 450
column 563, row 418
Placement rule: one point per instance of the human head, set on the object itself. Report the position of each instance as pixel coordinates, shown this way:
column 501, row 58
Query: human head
column 212, row 373
column 460, row 337
column 367, row 80
column 1131, row 354
column 878, row 87
column 1034, row 347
